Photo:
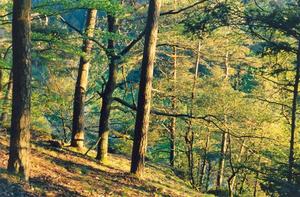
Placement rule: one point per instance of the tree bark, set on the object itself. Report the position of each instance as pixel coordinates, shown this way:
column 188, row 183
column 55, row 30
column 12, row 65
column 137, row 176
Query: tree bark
column 293, row 123
column 145, row 90
column 82, row 82
column 19, row 149
column 107, row 97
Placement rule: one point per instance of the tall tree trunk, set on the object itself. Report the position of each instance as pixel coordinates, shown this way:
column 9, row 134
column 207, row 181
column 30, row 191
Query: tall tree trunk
column 173, row 120
column 145, row 90
column 4, row 115
column 293, row 123
column 82, row 82
column 19, row 149
column 107, row 97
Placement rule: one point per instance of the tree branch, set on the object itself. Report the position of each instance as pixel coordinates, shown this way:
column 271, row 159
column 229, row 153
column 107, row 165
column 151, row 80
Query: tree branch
column 182, row 9
column 82, row 34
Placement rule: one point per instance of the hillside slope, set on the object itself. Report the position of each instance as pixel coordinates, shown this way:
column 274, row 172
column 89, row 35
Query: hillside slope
column 64, row 172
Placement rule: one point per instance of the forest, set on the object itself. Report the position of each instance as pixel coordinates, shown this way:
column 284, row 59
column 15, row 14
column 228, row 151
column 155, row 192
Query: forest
column 149, row 98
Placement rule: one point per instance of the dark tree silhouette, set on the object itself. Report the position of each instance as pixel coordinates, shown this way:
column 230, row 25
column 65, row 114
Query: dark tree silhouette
column 19, row 149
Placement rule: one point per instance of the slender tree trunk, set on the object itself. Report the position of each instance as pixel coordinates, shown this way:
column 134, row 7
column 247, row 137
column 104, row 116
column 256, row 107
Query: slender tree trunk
column 239, row 159
column 1, row 86
column 256, row 178
column 173, row 121
column 204, row 160
column 230, row 193
column 237, row 80
column 208, row 175
column 145, row 90
column 242, row 184
column 231, row 179
column 189, row 135
column 190, row 157
column 255, row 186
column 19, row 149
column 107, row 97
column 293, row 123
column 226, row 65
column 82, row 83
column 220, row 175
column 4, row 115
column 173, row 142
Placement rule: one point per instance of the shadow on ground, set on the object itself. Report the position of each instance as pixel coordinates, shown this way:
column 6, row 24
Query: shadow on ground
column 111, row 181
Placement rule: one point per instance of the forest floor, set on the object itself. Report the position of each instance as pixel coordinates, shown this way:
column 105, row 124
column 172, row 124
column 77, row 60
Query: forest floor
column 65, row 172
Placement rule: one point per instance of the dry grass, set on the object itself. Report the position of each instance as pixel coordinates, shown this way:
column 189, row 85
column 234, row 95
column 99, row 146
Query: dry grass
column 65, row 172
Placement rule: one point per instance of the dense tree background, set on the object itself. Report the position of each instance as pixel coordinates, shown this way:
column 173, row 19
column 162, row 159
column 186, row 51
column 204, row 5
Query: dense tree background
column 224, row 111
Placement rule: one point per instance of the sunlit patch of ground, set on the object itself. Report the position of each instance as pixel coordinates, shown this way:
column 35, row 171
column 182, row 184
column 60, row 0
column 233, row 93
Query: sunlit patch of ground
column 65, row 172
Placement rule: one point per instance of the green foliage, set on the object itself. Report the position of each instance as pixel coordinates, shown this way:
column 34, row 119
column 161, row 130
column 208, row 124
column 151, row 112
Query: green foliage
column 243, row 87
column 213, row 17
column 50, row 7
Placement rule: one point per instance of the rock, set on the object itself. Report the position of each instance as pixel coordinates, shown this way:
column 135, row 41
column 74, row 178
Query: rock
column 55, row 144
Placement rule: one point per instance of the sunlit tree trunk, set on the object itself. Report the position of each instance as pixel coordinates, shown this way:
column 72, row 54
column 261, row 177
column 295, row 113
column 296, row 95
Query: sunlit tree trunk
column 107, row 97
column 145, row 90
column 82, row 82
column 19, row 148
